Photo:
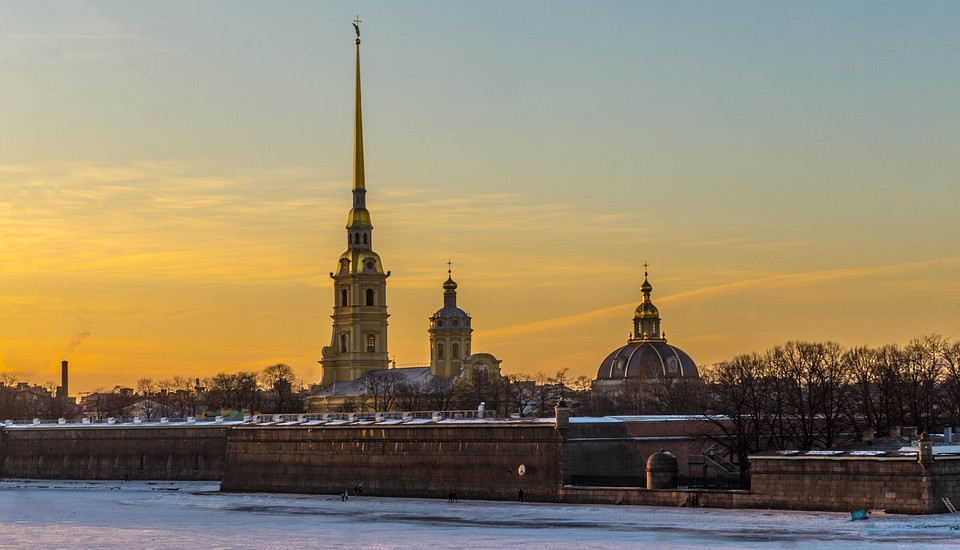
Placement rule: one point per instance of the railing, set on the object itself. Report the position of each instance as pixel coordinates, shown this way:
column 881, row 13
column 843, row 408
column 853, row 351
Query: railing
column 714, row 459
column 298, row 418
column 435, row 416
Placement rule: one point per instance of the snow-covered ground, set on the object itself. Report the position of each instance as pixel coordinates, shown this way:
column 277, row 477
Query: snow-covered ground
column 115, row 515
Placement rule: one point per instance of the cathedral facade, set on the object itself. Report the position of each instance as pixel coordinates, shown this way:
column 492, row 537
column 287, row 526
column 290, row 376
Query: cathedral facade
column 358, row 350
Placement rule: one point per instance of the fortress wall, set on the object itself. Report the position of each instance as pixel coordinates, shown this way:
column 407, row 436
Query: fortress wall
column 602, row 454
column 709, row 498
column 478, row 461
column 845, row 483
column 616, row 453
column 92, row 452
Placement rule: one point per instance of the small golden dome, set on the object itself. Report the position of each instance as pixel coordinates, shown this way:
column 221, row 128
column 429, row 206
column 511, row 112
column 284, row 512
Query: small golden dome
column 359, row 217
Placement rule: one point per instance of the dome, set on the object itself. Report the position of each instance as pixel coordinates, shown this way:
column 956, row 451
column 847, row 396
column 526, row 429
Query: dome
column 359, row 217
column 648, row 359
column 449, row 284
column 359, row 261
column 449, row 317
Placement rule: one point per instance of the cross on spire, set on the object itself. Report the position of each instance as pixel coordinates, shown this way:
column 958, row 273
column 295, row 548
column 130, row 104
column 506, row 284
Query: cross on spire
column 449, row 269
column 356, row 26
column 645, row 266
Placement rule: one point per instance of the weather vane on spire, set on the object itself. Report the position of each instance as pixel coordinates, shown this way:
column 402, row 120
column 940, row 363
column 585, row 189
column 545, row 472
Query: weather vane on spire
column 356, row 27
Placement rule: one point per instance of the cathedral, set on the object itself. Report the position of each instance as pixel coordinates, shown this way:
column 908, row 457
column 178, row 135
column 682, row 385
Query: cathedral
column 358, row 351
column 647, row 355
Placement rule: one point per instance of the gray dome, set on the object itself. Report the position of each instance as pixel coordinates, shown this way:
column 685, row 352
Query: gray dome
column 651, row 359
column 449, row 317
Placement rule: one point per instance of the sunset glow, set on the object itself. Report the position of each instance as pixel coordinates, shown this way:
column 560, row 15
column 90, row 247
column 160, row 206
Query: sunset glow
column 175, row 178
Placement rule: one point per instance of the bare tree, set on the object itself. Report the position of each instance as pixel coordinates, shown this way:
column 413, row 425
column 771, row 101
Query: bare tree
column 922, row 370
column 521, row 392
column 740, row 406
column 278, row 379
column 814, row 390
column 441, row 393
column 383, row 387
column 950, row 392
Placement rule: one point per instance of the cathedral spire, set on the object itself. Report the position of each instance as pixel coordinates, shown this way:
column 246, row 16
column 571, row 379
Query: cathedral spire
column 358, row 182
column 359, row 226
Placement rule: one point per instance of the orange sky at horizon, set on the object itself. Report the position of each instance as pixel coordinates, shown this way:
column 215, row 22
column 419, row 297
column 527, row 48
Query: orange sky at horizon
column 174, row 183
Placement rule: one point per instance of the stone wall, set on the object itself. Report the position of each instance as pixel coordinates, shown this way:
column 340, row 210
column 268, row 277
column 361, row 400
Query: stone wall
column 706, row 498
column 477, row 461
column 94, row 452
column 846, row 483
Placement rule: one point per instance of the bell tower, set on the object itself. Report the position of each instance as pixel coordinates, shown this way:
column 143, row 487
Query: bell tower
column 450, row 334
column 359, row 340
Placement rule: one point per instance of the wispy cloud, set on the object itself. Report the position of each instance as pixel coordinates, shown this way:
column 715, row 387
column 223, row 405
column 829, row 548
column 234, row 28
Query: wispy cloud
column 775, row 282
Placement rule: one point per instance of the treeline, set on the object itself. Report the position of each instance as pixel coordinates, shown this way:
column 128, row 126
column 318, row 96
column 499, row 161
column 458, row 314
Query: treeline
column 522, row 395
column 271, row 389
column 806, row 395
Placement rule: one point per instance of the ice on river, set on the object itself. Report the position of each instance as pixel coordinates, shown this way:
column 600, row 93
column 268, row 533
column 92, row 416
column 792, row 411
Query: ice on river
column 120, row 515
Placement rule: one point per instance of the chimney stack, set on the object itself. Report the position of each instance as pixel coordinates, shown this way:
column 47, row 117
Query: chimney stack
column 63, row 380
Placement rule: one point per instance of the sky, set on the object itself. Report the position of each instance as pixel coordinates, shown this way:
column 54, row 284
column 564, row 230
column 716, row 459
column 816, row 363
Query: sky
column 175, row 177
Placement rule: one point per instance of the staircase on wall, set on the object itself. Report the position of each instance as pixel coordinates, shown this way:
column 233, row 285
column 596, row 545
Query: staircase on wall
column 714, row 458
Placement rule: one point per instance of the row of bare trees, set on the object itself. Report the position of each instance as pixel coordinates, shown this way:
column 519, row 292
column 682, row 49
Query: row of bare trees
column 816, row 395
column 274, row 389
column 392, row 390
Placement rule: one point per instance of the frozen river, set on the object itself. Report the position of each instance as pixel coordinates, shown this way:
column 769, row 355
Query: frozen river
column 80, row 514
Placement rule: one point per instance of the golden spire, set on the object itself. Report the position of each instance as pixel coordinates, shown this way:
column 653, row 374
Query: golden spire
column 358, row 183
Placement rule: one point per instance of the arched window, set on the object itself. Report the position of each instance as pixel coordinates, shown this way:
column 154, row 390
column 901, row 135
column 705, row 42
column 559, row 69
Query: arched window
column 370, row 296
column 439, row 350
column 364, row 238
column 455, row 350
column 356, row 238
column 371, row 342
column 343, row 343
column 343, row 296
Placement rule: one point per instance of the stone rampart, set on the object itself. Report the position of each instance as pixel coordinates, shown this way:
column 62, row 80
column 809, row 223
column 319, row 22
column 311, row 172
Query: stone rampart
column 477, row 461
column 898, row 484
column 111, row 452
